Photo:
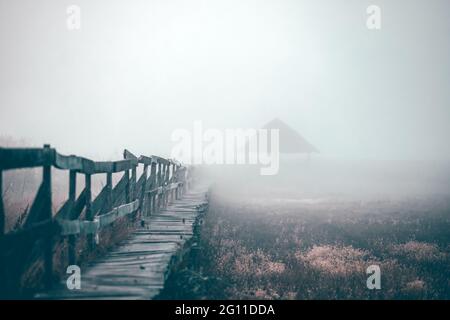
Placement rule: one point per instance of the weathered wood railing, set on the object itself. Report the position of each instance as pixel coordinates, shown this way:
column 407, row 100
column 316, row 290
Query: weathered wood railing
column 161, row 181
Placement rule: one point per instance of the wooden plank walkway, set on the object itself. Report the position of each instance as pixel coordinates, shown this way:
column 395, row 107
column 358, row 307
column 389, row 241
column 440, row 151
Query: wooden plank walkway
column 138, row 268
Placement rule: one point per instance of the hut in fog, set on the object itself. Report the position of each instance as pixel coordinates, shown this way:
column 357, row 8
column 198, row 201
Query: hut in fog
column 291, row 142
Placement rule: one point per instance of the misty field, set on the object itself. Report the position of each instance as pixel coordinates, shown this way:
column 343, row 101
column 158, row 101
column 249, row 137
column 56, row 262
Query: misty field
column 269, row 248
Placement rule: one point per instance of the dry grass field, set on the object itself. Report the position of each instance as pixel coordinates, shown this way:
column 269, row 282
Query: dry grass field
column 318, row 249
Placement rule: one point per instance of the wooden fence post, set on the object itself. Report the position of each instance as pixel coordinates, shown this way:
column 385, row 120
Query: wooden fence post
column 128, row 187
column 3, row 278
column 72, row 195
column 133, row 184
column 2, row 209
column 182, row 175
column 133, row 190
column 147, row 195
column 47, row 208
column 89, row 213
column 177, row 179
column 166, row 183
column 159, row 184
column 186, row 180
column 169, row 180
column 109, row 200
column 143, row 195
column 153, row 185
column 163, row 183
column 174, row 180
column 128, row 193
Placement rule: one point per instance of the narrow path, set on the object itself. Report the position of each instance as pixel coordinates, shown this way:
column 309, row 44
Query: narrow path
column 138, row 268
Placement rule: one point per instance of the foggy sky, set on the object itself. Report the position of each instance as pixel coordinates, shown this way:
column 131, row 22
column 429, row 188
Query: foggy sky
column 137, row 70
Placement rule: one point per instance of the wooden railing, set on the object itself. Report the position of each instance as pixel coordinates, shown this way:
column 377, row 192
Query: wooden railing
column 161, row 181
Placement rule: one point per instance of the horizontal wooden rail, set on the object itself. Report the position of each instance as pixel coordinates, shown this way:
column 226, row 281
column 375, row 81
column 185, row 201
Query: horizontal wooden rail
column 70, row 227
column 132, row 197
column 18, row 158
column 161, row 160
column 147, row 160
column 83, row 165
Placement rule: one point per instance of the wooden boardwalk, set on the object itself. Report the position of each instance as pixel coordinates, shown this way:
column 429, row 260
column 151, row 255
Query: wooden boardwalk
column 138, row 267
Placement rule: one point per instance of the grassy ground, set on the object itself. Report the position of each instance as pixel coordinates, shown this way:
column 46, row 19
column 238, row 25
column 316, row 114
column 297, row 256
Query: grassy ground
column 318, row 250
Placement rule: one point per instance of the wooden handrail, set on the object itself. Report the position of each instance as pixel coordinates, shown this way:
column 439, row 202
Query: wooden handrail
column 18, row 158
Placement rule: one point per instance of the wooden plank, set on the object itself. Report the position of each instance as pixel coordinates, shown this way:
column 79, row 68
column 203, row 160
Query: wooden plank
column 104, row 167
column 16, row 158
column 162, row 190
column 128, row 208
column 72, row 227
column 69, row 227
column 64, row 211
column 37, row 208
column 160, row 160
column 117, row 213
column 100, row 205
column 75, row 227
column 118, row 193
column 71, row 211
column 115, row 166
column 79, row 205
column 147, row 160
column 123, row 165
column 87, row 166
column 76, row 163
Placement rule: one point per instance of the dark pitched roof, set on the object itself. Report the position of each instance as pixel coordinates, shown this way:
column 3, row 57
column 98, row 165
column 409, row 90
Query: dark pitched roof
column 290, row 140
